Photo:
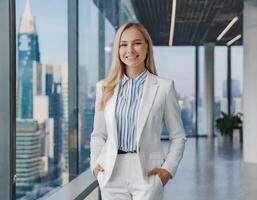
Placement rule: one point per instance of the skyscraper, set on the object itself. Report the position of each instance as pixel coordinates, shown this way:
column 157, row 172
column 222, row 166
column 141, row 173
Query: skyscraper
column 53, row 91
column 28, row 55
column 27, row 156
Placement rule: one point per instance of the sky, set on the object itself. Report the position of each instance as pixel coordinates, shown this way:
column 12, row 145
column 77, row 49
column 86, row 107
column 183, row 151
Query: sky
column 51, row 24
column 172, row 62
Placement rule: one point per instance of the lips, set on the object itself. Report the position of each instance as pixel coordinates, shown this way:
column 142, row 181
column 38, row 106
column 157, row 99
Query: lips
column 131, row 57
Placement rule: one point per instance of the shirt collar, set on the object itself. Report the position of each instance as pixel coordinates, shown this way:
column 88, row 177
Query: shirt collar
column 139, row 79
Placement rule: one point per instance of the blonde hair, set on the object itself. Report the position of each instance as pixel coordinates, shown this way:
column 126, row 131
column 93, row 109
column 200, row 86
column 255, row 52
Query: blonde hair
column 118, row 67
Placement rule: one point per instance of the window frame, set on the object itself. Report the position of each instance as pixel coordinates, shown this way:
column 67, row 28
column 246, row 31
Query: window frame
column 7, row 101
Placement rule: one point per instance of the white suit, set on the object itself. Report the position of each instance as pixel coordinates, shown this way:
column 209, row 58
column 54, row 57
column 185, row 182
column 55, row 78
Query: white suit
column 158, row 104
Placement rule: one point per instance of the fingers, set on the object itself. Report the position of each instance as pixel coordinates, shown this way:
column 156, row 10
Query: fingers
column 153, row 172
column 98, row 169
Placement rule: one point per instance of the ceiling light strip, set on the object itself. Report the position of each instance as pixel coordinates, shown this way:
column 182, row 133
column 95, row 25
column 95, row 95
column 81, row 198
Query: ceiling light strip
column 234, row 20
column 172, row 23
column 234, row 40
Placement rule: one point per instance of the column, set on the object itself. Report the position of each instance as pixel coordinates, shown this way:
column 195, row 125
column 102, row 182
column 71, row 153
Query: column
column 229, row 81
column 196, row 87
column 209, row 88
column 250, row 81
column 73, row 88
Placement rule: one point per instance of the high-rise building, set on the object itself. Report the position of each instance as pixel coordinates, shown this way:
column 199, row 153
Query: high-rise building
column 63, row 68
column 28, row 157
column 86, row 122
column 53, row 91
column 28, row 55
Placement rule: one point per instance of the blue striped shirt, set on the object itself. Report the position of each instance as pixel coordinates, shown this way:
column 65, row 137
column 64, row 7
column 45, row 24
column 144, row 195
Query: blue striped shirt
column 129, row 96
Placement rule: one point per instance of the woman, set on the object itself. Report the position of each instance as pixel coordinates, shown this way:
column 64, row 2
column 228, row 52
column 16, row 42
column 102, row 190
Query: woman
column 131, row 105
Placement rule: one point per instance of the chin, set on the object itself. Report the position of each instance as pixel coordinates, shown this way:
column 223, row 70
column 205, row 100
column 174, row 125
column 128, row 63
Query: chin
column 132, row 65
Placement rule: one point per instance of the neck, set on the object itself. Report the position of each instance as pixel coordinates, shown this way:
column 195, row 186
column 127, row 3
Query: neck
column 133, row 72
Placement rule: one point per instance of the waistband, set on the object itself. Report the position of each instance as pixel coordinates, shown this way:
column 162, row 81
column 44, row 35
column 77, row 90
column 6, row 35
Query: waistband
column 124, row 152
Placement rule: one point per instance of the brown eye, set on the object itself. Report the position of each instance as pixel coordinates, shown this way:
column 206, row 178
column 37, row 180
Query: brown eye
column 123, row 45
column 137, row 43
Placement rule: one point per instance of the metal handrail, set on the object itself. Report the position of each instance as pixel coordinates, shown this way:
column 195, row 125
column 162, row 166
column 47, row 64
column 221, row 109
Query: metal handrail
column 77, row 189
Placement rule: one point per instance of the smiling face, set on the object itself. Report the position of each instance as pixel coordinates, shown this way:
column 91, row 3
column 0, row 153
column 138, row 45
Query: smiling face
column 133, row 48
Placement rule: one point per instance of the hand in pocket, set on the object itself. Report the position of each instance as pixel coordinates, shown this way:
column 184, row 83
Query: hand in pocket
column 97, row 169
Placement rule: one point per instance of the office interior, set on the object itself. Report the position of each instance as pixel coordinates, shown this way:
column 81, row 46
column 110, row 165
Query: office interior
column 52, row 53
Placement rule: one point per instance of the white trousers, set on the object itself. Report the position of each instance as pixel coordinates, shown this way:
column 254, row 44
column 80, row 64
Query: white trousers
column 127, row 182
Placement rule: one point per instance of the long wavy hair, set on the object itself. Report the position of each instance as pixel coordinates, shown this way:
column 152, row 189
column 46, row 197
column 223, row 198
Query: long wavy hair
column 118, row 67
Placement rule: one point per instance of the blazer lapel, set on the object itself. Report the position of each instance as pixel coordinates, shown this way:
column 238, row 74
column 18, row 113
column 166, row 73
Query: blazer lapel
column 148, row 96
column 110, row 114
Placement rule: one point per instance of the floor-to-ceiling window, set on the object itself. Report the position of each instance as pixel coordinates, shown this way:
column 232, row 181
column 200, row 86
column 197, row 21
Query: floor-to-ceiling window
column 42, row 98
column 237, row 79
column 220, row 85
column 178, row 63
column 220, row 81
column 88, row 75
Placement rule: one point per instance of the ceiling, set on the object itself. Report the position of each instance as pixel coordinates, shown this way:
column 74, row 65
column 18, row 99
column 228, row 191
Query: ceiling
column 197, row 21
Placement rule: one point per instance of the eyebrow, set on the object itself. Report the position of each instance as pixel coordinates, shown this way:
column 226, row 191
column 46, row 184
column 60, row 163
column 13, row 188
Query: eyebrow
column 136, row 40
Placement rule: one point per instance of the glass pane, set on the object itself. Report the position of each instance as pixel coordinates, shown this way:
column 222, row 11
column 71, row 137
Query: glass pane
column 42, row 106
column 220, row 81
column 109, row 38
column 237, row 78
column 88, row 76
column 178, row 63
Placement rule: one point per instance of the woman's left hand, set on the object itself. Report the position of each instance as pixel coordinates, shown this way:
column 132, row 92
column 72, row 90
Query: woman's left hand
column 162, row 173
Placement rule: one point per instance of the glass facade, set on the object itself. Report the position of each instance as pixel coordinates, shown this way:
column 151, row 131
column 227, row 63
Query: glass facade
column 237, row 79
column 179, row 65
column 220, row 80
column 89, row 45
column 42, row 120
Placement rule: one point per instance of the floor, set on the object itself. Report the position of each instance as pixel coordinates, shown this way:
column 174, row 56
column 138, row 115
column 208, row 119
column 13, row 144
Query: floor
column 212, row 170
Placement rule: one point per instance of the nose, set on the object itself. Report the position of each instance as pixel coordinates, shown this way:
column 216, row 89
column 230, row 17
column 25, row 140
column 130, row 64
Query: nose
column 130, row 48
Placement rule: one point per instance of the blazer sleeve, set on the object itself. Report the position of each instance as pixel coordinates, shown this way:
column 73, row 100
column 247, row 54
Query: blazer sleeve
column 99, row 134
column 177, row 137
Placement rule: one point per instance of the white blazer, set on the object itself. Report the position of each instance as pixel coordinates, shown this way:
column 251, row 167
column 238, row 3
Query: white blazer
column 158, row 105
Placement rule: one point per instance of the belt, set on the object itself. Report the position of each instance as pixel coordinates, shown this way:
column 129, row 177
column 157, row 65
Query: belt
column 123, row 152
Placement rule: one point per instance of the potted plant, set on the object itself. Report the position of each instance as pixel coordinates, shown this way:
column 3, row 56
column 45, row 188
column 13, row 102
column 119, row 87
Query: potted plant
column 227, row 123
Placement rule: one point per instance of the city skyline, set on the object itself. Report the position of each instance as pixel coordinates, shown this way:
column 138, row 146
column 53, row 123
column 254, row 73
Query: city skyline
column 42, row 117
